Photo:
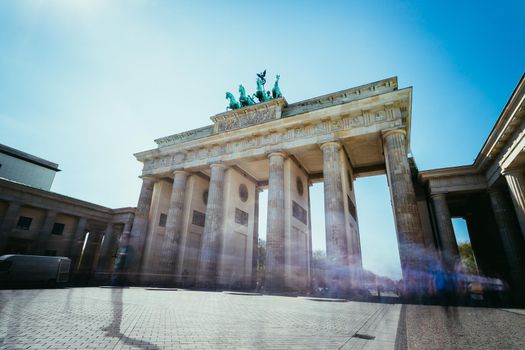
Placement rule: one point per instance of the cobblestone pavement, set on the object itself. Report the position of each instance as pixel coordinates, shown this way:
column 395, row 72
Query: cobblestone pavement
column 442, row 328
column 104, row 318
column 137, row 318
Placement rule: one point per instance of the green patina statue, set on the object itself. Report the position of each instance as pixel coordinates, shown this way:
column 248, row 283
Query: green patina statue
column 233, row 102
column 244, row 99
column 276, row 92
column 261, row 94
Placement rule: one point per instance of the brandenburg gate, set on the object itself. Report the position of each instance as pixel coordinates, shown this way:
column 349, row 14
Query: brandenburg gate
column 197, row 214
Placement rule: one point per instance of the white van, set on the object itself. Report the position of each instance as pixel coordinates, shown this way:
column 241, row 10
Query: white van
column 21, row 270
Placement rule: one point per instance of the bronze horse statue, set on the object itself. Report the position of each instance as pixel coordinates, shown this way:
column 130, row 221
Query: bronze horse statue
column 244, row 99
column 233, row 102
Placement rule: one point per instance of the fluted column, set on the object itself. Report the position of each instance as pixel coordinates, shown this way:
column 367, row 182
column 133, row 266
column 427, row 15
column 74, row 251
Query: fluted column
column 406, row 215
column 42, row 239
column 255, row 243
column 510, row 238
column 516, row 181
column 106, row 249
column 212, row 235
column 174, row 221
column 8, row 223
column 334, row 207
column 140, row 226
column 76, row 244
column 275, row 249
column 449, row 245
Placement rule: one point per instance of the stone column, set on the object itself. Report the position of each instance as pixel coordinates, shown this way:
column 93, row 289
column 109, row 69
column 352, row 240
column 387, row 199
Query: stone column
column 8, row 224
column 212, row 235
column 42, row 239
column 106, row 249
column 76, row 244
column 334, row 207
column 449, row 246
column 516, row 181
column 255, row 245
column 310, row 252
column 174, row 222
column 406, row 215
column 275, row 249
column 510, row 239
column 140, row 226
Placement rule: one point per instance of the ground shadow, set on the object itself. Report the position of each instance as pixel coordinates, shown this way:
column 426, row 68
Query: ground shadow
column 113, row 329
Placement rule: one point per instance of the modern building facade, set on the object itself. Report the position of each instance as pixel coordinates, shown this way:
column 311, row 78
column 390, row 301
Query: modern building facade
column 27, row 169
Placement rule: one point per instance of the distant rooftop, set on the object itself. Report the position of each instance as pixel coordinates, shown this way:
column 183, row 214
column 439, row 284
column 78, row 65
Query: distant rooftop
column 28, row 157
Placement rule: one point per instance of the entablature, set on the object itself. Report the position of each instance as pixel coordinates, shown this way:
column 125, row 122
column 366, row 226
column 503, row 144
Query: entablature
column 454, row 179
column 364, row 116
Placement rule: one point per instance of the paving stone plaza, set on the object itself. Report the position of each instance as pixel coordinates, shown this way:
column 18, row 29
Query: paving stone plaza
column 141, row 318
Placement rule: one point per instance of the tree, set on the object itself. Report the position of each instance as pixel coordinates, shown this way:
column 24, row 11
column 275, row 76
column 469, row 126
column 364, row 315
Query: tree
column 261, row 255
column 467, row 258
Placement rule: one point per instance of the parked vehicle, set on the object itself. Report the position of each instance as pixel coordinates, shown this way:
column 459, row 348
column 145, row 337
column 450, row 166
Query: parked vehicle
column 29, row 270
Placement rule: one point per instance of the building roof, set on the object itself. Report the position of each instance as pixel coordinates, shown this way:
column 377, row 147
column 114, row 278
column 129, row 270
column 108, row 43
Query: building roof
column 28, row 157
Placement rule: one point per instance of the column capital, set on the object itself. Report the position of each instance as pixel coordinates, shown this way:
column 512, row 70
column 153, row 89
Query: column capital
column 148, row 179
column 278, row 154
column 335, row 144
column 393, row 132
column 438, row 195
column 218, row 165
column 181, row 172
column 512, row 172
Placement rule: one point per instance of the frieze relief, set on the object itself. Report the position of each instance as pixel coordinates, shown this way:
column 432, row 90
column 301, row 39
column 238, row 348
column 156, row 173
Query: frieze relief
column 242, row 121
column 317, row 129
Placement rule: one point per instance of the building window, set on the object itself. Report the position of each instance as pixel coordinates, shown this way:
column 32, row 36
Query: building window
column 24, row 223
column 162, row 220
column 58, row 228
column 51, row 253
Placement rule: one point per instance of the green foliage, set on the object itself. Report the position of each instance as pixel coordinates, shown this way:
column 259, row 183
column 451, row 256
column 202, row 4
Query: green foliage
column 467, row 258
column 261, row 255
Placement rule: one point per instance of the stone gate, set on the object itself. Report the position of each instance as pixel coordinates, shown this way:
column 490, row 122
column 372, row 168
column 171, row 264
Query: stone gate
column 197, row 215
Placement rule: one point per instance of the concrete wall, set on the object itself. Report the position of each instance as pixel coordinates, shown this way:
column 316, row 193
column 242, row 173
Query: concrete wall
column 60, row 243
column 235, row 265
column 3, row 209
column 25, row 172
column 297, row 228
column 37, row 216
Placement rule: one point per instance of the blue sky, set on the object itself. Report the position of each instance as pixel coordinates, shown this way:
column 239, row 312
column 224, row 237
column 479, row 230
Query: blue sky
column 88, row 83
